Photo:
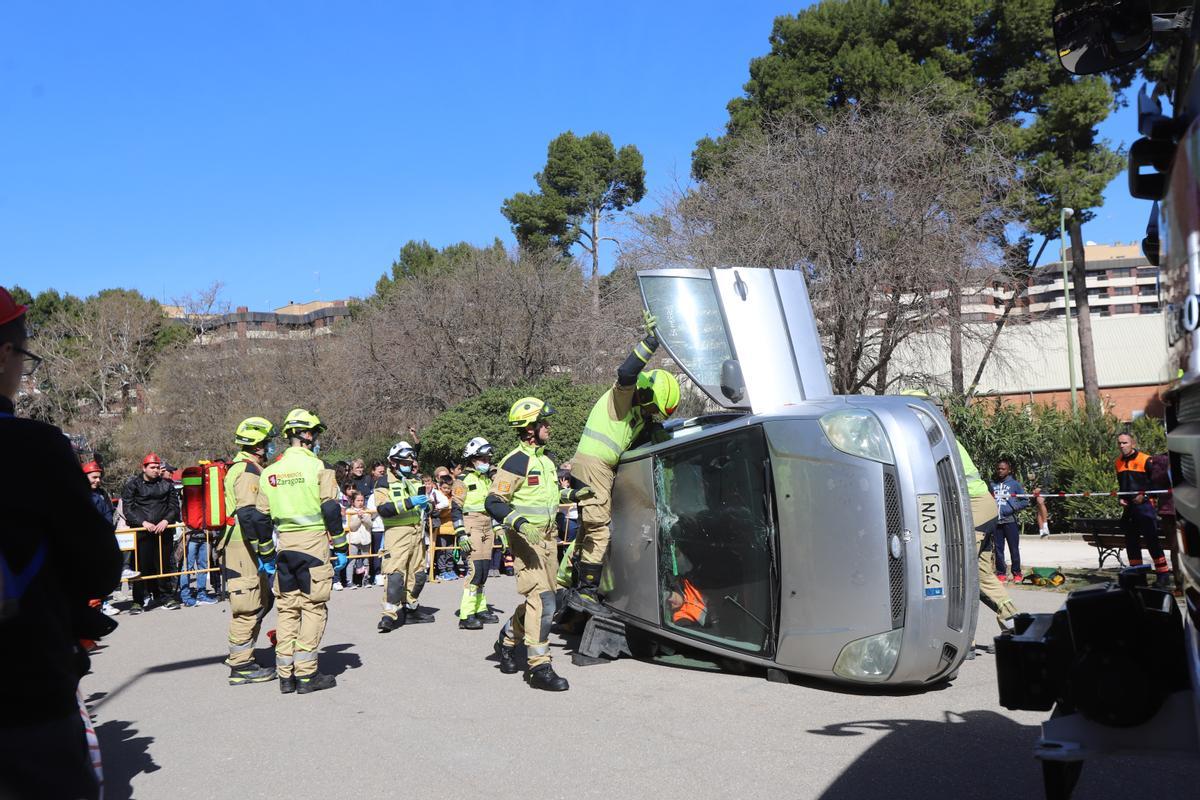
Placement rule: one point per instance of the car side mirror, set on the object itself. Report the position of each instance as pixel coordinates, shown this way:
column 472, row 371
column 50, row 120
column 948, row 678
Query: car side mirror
column 733, row 385
column 1099, row 35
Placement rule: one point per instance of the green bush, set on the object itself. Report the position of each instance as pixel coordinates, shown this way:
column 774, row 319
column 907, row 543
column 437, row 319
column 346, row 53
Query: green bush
column 486, row 415
column 1053, row 450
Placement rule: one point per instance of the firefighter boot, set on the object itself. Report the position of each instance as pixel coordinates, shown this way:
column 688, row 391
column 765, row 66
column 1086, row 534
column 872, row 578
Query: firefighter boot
column 287, row 685
column 315, row 683
column 544, row 677
column 470, row 623
column 588, row 593
column 508, row 658
column 388, row 624
column 487, row 616
column 250, row 673
column 414, row 615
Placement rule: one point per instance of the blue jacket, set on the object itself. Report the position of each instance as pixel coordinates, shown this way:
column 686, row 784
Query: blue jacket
column 103, row 504
column 1007, row 505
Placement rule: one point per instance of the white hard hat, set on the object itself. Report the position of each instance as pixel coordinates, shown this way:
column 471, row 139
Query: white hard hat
column 478, row 446
column 401, row 450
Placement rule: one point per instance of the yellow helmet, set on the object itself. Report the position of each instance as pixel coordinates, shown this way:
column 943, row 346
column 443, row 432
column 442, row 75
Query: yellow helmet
column 527, row 411
column 253, row 431
column 665, row 388
column 299, row 419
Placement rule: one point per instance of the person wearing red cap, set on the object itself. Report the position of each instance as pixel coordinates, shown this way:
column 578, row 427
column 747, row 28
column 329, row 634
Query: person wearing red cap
column 103, row 504
column 50, row 566
column 150, row 502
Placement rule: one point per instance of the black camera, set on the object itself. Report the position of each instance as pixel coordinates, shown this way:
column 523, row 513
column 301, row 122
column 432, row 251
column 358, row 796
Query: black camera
column 1113, row 653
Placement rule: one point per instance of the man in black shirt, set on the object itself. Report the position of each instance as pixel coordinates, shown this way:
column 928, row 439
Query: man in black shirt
column 52, row 565
column 151, row 503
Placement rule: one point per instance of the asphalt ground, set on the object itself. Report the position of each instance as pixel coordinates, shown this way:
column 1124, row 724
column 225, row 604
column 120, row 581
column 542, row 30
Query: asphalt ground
column 424, row 711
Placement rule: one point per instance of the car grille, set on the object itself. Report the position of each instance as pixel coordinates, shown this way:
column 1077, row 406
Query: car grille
column 895, row 527
column 1188, row 409
column 956, row 581
column 1187, row 467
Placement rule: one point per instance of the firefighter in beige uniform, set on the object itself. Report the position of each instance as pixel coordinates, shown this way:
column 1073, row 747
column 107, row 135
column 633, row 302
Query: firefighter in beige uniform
column 299, row 492
column 984, row 515
column 399, row 504
column 246, row 561
column 617, row 420
column 524, row 498
column 473, row 531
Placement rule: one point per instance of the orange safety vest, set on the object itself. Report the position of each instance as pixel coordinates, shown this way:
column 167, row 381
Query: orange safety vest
column 693, row 609
column 1133, row 475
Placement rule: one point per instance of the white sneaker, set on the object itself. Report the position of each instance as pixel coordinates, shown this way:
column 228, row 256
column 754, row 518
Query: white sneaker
column 337, row 586
column 110, row 609
column 379, row 580
column 129, row 574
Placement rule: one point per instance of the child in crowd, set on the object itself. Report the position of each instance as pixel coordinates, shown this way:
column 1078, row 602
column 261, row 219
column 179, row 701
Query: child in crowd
column 358, row 519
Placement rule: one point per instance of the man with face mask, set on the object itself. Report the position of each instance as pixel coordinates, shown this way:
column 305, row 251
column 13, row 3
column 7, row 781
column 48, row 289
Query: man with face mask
column 399, row 502
column 247, row 561
column 614, row 425
column 473, row 531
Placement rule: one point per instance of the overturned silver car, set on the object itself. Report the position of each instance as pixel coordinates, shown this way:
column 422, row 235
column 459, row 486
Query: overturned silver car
column 819, row 535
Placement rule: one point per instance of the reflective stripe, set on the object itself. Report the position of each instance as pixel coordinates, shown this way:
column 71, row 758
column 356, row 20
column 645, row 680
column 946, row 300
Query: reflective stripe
column 391, row 607
column 305, row 519
column 238, row 648
column 540, row 511
column 642, row 352
column 602, row 439
column 306, row 655
column 538, row 649
column 280, row 658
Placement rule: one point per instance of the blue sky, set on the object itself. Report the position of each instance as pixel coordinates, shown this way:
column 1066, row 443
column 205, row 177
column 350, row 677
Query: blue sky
column 289, row 150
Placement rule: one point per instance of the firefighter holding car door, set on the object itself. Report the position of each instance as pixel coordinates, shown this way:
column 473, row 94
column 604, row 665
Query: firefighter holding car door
column 615, row 423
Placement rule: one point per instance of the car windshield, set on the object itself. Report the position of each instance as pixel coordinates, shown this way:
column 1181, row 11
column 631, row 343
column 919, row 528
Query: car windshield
column 691, row 327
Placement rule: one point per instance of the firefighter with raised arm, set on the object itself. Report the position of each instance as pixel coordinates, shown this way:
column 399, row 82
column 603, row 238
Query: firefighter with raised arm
column 300, row 495
column 247, row 561
column 400, row 502
column 473, row 531
column 524, row 497
column 615, row 424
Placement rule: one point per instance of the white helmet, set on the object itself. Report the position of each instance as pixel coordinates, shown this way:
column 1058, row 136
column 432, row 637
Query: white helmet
column 402, row 451
column 477, row 447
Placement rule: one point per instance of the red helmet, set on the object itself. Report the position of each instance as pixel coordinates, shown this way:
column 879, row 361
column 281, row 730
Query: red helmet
column 92, row 466
column 9, row 308
column 151, row 458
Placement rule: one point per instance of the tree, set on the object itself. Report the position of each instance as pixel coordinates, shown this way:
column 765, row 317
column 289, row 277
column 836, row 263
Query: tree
column 586, row 180
column 997, row 54
column 886, row 210
column 202, row 309
column 418, row 259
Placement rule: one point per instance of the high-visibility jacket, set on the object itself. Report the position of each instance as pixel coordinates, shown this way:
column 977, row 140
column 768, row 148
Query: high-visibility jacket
column 975, row 484
column 527, row 486
column 400, row 489
column 242, row 463
column 1133, row 475
column 612, row 426
column 694, row 609
column 292, row 488
column 477, row 486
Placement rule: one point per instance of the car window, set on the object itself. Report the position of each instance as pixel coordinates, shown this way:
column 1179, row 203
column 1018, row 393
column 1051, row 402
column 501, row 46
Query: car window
column 715, row 541
column 690, row 326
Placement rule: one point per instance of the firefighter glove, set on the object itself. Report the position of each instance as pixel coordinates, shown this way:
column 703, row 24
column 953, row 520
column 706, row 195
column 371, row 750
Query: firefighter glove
column 418, row 500
column 532, row 533
column 650, row 323
column 464, row 544
column 340, row 560
column 267, row 565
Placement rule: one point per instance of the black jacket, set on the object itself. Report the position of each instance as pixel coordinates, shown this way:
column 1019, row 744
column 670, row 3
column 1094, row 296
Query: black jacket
column 41, row 663
column 149, row 501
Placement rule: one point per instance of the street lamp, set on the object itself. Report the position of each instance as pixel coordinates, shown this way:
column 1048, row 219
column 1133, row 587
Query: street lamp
column 1062, row 245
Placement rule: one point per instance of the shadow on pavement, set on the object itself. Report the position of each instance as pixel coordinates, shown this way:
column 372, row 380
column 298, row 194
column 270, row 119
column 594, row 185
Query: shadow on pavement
column 102, row 698
column 125, row 755
column 335, row 660
column 976, row 754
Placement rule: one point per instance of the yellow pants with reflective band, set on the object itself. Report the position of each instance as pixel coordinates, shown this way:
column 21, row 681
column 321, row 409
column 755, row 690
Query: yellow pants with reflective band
column 479, row 529
column 404, row 552
column 244, row 583
column 595, row 513
column 531, row 620
column 993, row 593
column 302, row 614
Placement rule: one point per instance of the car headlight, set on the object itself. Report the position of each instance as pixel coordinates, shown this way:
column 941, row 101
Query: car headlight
column 858, row 433
column 870, row 659
column 933, row 431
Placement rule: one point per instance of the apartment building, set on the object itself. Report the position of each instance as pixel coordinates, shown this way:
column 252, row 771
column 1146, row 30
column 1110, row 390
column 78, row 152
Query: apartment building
column 314, row 318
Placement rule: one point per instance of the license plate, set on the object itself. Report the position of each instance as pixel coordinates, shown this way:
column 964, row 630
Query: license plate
column 931, row 544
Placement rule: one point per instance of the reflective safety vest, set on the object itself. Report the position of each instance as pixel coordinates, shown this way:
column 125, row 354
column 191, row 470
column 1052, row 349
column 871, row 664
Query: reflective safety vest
column 975, row 485
column 536, row 499
column 693, row 609
column 241, row 462
column 605, row 438
column 399, row 490
column 293, row 490
column 478, row 485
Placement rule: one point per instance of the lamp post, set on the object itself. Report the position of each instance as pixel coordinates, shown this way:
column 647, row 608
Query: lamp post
column 1062, row 243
